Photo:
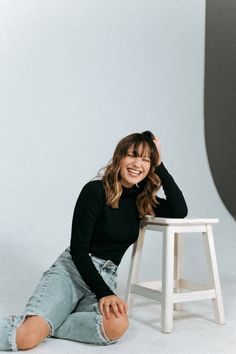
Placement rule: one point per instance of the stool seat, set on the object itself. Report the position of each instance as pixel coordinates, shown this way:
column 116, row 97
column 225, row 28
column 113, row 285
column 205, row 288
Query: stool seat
column 172, row 290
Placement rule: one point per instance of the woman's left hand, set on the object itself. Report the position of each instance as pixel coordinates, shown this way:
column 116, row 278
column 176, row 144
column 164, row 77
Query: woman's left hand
column 158, row 146
column 112, row 304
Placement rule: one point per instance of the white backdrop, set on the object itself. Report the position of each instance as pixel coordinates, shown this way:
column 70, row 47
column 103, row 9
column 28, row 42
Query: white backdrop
column 75, row 77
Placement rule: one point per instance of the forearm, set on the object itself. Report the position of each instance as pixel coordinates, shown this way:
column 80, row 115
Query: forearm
column 175, row 205
column 89, row 273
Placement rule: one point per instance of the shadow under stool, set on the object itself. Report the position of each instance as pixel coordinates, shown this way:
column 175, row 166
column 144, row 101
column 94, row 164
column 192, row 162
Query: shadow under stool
column 172, row 290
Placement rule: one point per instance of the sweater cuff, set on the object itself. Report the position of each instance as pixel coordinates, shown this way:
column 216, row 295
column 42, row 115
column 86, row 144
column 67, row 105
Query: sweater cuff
column 100, row 294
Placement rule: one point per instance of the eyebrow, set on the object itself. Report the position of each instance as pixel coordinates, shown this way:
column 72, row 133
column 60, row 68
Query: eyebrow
column 133, row 151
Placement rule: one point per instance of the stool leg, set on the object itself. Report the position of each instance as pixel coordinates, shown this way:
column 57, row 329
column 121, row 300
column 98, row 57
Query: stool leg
column 178, row 266
column 214, row 275
column 134, row 268
column 167, row 281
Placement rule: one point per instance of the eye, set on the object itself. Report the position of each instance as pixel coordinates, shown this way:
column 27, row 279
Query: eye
column 145, row 159
column 130, row 154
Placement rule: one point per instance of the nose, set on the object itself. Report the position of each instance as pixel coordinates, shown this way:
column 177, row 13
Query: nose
column 137, row 161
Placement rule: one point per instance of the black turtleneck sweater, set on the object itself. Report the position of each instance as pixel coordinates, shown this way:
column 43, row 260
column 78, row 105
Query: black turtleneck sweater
column 106, row 232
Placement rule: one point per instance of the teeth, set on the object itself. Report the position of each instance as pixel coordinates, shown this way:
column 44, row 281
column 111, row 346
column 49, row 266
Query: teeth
column 134, row 171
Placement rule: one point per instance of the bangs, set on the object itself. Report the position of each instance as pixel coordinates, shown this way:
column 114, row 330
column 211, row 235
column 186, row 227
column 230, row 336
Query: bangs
column 135, row 142
column 145, row 149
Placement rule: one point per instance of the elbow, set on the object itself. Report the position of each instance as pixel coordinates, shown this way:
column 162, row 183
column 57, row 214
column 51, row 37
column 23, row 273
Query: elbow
column 181, row 212
column 184, row 213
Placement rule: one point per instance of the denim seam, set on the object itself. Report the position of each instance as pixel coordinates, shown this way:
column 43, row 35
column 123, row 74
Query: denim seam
column 16, row 322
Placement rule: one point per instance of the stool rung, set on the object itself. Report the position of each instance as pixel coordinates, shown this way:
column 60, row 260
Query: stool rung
column 180, row 284
column 146, row 292
column 189, row 285
column 152, row 290
column 194, row 295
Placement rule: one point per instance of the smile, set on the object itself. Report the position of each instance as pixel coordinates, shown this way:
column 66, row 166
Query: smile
column 133, row 172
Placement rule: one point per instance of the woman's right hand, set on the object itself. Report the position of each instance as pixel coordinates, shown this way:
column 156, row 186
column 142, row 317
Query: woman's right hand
column 112, row 304
column 158, row 146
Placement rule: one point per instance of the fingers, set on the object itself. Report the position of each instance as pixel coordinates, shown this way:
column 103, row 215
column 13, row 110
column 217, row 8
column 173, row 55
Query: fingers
column 107, row 309
column 118, row 309
column 112, row 305
column 156, row 141
column 104, row 306
column 115, row 309
column 158, row 146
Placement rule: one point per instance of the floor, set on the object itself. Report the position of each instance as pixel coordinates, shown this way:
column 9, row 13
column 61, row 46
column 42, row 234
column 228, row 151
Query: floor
column 194, row 331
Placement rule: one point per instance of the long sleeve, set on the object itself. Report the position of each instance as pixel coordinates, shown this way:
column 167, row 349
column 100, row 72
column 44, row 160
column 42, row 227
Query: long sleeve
column 86, row 212
column 174, row 206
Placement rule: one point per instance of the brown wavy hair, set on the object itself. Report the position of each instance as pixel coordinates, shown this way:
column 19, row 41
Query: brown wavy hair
column 146, row 200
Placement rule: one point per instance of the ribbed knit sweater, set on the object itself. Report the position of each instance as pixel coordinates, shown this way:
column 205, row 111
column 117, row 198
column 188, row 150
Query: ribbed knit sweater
column 106, row 233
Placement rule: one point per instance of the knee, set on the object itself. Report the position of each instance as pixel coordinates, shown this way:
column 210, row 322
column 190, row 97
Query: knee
column 31, row 332
column 115, row 327
column 26, row 340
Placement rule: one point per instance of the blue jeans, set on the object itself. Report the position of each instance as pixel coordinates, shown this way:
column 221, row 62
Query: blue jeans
column 65, row 301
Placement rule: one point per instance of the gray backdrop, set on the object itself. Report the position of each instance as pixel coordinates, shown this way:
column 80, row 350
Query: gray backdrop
column 220, row 97
column 75, row 77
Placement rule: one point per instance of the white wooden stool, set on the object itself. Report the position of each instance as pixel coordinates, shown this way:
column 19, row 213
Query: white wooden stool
column 172, row 290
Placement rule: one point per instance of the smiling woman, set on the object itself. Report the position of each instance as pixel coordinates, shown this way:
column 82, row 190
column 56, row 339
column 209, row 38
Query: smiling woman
column 106, row 219
column 134, row 167
column 134, row 160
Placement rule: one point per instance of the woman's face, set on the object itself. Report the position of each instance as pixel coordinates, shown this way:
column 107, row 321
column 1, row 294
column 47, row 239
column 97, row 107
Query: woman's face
column 133, row 169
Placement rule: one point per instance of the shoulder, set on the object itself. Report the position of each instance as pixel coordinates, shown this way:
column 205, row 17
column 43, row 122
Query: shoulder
column 94, row 187
column 91, row 195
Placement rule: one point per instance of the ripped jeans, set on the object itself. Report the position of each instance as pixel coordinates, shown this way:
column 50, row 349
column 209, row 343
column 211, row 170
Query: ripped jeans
column 64, row 300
